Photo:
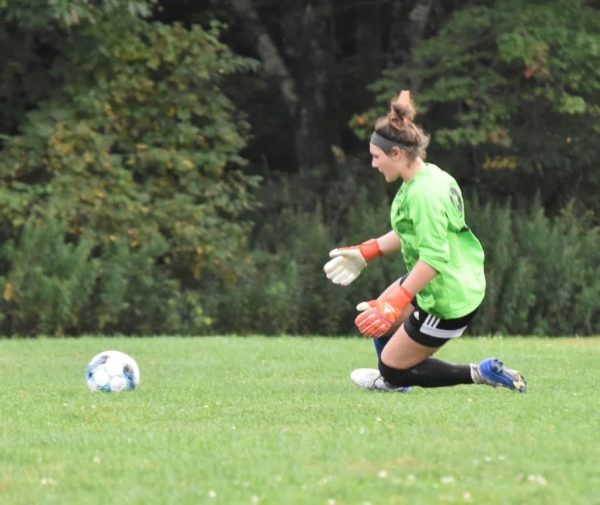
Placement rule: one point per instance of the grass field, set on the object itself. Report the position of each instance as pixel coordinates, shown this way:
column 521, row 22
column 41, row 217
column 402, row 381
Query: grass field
column 277, row 421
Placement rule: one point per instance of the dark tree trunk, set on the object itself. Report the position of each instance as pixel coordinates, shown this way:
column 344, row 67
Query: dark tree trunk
column 302, row 71
column 316, row 129
column 409, row 24
column 272, row 61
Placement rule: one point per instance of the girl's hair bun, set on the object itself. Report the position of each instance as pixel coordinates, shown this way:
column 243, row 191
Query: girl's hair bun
column 399, row 127
column 402, row 109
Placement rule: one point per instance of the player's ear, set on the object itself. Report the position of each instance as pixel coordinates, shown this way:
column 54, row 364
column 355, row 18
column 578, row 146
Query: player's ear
column 396, row 153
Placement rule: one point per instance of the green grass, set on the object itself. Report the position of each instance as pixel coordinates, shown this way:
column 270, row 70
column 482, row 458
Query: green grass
column 277, row 421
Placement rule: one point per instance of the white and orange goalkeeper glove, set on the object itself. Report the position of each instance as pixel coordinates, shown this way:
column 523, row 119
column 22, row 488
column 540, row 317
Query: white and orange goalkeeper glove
column 378, row 316
column 349, row 262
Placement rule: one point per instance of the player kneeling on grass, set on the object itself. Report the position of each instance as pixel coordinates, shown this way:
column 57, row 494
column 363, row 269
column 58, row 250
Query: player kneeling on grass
column 445, row 284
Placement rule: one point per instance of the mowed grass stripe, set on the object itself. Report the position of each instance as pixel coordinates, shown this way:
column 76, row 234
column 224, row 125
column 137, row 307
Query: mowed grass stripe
column 276, row 421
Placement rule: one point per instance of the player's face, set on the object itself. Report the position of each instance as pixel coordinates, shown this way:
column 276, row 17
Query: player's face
column 386, row 165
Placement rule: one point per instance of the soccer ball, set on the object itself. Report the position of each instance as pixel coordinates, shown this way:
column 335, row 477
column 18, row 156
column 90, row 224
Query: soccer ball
column 113, row 372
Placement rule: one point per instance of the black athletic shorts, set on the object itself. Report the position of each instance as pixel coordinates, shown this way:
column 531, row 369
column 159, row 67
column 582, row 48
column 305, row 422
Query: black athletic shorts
column 432, row 331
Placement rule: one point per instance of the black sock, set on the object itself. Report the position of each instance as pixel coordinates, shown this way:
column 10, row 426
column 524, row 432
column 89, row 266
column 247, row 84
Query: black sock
column 431, row 373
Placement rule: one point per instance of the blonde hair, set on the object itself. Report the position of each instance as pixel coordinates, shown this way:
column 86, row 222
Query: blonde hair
column 399, row 127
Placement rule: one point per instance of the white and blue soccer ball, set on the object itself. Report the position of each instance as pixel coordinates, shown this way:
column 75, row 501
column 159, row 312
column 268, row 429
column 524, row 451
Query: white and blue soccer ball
column 113, row 372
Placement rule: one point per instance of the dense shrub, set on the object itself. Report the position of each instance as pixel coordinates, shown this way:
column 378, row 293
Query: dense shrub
column 543, row 277
column 122, row 195
column 50, row 282
column 57, row 285
column 542, row 273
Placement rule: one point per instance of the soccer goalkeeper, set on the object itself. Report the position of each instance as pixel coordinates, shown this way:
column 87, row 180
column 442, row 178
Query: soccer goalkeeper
column 445, row 284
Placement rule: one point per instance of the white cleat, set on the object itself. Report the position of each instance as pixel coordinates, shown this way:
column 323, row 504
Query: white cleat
column 370, row 378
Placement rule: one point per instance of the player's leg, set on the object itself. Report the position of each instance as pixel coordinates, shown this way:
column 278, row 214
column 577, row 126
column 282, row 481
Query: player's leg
column 407, row 360
column 366, row 377
column 399, row 367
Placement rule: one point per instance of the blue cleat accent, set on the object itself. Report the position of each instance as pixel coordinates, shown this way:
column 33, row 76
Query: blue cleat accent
column 493, row 373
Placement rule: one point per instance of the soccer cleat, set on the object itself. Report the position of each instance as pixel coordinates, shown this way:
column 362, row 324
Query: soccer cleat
column 370, row 378
column 493, row 373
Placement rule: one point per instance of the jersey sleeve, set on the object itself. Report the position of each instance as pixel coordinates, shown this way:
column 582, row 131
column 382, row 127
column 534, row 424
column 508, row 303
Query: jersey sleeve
column 428, row 213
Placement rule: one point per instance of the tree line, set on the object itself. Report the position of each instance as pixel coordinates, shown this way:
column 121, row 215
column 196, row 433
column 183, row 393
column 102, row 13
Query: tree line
column 181, row 168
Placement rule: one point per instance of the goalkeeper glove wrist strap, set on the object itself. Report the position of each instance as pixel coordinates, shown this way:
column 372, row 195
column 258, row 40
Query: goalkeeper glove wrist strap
column 399, row 297
column 370, row 250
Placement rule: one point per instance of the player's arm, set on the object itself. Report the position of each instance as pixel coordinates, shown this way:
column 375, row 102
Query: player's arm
column 389, row 243
column 432, row 243
column 421, row 275
column 379, row 315
column 348, row 262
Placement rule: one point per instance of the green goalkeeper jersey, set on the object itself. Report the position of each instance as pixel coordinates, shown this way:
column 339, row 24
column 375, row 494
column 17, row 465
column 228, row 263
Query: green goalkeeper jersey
column 428, row 215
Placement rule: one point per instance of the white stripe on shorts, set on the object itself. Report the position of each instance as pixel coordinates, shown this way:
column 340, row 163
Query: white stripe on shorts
column 431, row 321
column 431, row 330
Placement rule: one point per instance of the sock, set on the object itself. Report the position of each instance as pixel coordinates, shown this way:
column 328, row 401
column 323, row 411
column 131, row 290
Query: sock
column 431, row 373
column 476, row 375
column 380, row 344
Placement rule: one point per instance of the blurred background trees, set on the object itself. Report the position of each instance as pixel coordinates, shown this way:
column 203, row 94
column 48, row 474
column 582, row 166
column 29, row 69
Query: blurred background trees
column 184, row 167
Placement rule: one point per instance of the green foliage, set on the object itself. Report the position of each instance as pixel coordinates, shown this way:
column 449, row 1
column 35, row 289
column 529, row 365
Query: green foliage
column 136, row 294
column 136, row 150
column 279, row 291
column 50, row 282
column 120, row 159
column 542, row 272
column 70, row 13
column 517, row 96
column 58, row 286
column 283, row 288
column 32, row 38
column 136, row 144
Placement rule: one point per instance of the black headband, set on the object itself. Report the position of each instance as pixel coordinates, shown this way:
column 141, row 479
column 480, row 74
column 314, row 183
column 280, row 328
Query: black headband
column 384, row 143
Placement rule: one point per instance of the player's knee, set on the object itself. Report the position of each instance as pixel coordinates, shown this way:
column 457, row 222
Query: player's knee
column 394, row 376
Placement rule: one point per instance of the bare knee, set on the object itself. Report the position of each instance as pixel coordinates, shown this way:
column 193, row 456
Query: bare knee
column 402, row 359
column 402, row 352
